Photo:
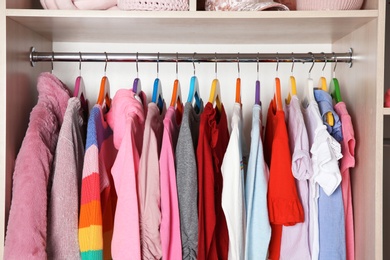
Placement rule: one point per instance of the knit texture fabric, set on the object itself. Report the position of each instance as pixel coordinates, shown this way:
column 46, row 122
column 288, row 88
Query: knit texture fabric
column 27, row 225
column 63, row 210
column 98, row 196
column 329, row 4
column 153, row 5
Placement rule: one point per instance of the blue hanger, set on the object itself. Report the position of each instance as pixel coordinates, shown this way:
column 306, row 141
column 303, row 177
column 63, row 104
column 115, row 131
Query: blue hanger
column 194, row 92
column 157, row 96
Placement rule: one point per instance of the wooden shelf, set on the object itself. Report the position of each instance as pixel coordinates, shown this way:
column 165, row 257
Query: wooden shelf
column 294, row 27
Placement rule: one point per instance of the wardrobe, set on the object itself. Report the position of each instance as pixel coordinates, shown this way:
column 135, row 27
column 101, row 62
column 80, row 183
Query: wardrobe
column 24, row 25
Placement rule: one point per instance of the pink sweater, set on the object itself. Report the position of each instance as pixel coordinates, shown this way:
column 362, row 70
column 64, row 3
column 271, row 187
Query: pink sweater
column 26, row 231
column 126, row 118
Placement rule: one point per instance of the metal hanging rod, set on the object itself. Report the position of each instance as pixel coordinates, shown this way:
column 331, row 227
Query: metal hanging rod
column 345, row 57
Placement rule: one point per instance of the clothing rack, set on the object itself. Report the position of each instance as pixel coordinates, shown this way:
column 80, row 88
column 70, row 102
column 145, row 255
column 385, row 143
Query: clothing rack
column 35, row 56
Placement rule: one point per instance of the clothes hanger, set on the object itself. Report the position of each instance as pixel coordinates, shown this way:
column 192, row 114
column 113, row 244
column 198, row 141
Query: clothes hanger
column 309, row 90
column 238, row 82
column 176, row 92
column 137, row 82
column 157, row 96
column 323, row 86
column 257, row 86
column 334, row 85
column 79, row 89
column 278, row 94
column 293, row 84
column 194, row 89
column 215, row 92
column 104, row 91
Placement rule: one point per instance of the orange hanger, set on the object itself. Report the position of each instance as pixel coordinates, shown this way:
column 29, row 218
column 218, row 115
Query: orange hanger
column 238, row 90
column 176, row 93
column 104, row 91
column 278, row 95
column 238, row 83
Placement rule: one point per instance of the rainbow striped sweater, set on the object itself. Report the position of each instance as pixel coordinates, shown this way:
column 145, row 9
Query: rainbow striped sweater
column 98, row 196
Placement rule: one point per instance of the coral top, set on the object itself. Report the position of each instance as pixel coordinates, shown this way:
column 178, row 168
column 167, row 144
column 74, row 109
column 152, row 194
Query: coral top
column 284, row 206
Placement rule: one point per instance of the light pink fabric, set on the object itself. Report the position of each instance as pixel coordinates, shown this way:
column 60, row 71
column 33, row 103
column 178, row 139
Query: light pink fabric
column 329, row 4
column 347, row 162
column 63, row 209
column 27, row 225
column 170, row 219
column 126, row 118
column 295, row 239
column 149, row 185
column 79, row 4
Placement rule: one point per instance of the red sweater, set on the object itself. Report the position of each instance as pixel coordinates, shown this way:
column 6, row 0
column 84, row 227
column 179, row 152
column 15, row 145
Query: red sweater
column 284, row 206
column 213, row 242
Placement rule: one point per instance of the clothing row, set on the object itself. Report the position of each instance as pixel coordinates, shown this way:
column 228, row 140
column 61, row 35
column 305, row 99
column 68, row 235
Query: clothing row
column 145, row 182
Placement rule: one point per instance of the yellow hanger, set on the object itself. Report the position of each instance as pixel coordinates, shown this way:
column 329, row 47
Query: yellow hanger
column 293, row 85
column 104, row 91
column 323, row 86
column 329, row 115
column 215, row 94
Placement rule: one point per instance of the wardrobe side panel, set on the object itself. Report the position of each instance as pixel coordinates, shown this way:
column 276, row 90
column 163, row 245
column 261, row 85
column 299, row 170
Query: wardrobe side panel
column 359, row 86
column 21, row 96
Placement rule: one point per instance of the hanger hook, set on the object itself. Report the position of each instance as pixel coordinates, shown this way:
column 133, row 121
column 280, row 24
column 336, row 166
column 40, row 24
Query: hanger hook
column 177, row 65
column 105, row 66
column 216, row 66
column 335, row 65
column 80, row 64
column 158, row 61
column 193, row 62
column 325, row 60
column 257, row 60
column 313, row 60
column 136, row 63
column 277, row 63
column 52, row 62
column 238, row 64
column 293, row 63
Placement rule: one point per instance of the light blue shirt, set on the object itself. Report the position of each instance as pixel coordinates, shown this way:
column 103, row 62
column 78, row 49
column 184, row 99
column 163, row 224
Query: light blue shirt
column 330, row 208
column 324, row 101
column 331, row 225
column 258, row 229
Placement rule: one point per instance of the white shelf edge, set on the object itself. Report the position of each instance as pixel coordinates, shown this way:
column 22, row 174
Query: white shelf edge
column 189, row 14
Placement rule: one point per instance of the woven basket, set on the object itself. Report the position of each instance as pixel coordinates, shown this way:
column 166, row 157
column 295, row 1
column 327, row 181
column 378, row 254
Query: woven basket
column 153, row 5
column 329, row 4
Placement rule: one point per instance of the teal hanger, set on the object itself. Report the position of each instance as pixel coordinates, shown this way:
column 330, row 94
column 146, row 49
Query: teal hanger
column 194, row 89
column 157, row 96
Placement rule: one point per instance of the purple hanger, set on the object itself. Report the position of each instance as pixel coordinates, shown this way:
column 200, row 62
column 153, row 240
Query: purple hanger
column 257, row 93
